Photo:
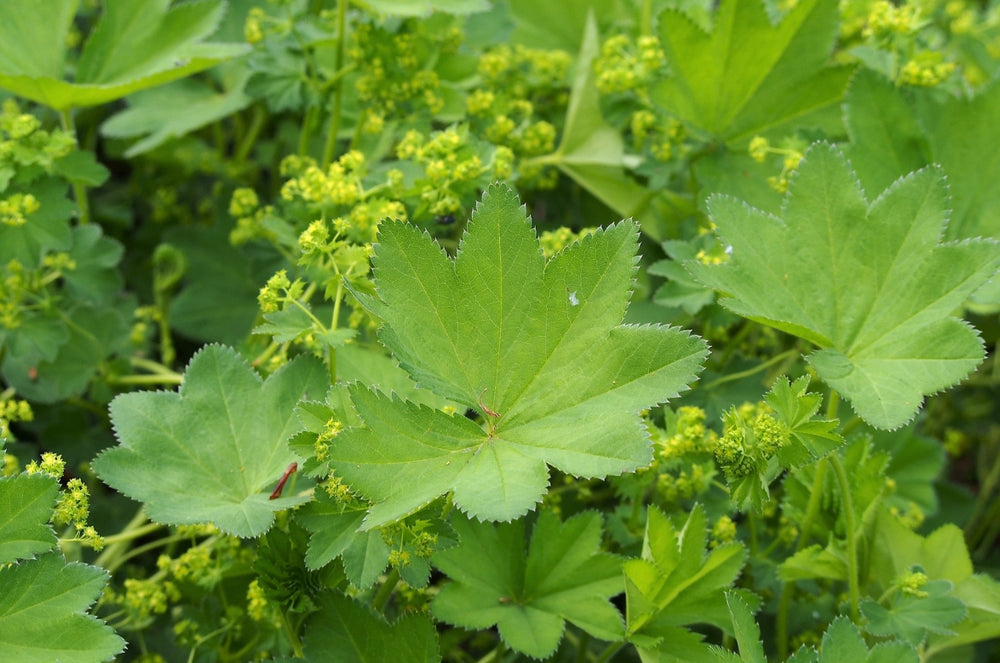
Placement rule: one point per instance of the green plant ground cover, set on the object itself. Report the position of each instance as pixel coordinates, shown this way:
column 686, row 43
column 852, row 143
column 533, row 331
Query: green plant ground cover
column 656, row 331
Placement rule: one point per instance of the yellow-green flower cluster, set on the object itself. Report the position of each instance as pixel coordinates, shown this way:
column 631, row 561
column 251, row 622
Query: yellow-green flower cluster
column 144, row 598
column 338, row 185
column 791, row 156
column 689, row 436
column 926, row 69
column 331, row 430
column 15, row 209
column 686, row 484
column 452, row 167
column 24, row 143
column 51, row 464
column 554, row 241
column 72, row 505
column 912, row 582
column 886, row 19
column 723, row 531
column 750, row 437
column 278, row 290
column 257, row 605
column 395, row 74
column 627, row 66
column 250, row 217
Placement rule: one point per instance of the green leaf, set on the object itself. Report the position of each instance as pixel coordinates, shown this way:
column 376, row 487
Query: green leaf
column 46, row 230
column 676, row 582
column 34, row 43
column 335, row 534
column 536, row 347
column 748, row 76
column 529, row 597
column 912, row 617
column 810, row 438
column 94, row 333
column 136, row 44
column 218, row 297
column 81, row 166
column 26, row 503
column 347, row 632
column 557, row 25
column 152, row 114
column 214, row 451
column 842, row 643
column 914, row 465
column 886, row 140
column 959, row 132
column 943, row 555
column 42, row 613
column 870, row 283
column 591, row 151
column 746, row 630
column 94, row 278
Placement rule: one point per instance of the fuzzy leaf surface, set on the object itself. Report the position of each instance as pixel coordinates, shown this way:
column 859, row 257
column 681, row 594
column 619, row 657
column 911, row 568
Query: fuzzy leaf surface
column 529, row 597
column 870, row 283
column 213, row 451
column 536, row 346
column 43, row 604
column 843, row 643
column 26, row 503
column 748, row 75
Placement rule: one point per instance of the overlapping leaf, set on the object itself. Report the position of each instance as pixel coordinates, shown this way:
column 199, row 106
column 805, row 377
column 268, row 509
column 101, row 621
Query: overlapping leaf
column 536, row 347
column 43, row 618
column 748, row 75
column 214, row 451
column 136, row 44
column 347, row 632
column 870, row 283
column 676, row 582
column 529, row 597
column 26, row 503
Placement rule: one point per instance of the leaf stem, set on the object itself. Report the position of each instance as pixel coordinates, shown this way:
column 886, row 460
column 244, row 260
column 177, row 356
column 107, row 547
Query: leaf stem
column 853, row 589
column 608, row 652
column 119, row 541
column 787, row 589
column 385, row 591
column 293, row 637
column 338, row 93
column 729, row 377
column 79, row 190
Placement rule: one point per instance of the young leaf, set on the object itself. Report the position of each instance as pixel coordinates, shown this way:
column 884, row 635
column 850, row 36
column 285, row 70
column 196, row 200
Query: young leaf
column 42, row 613
column 913, row 617
column 345, row 631
column 842, row 643
column 746, row 630
column 749, row 76
column 214, row 451
column 136, row 44
column 870, row 283
column 537, row 348
column 529, row 597
column 26, row 503
column 676, row 582
column 335, row 534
